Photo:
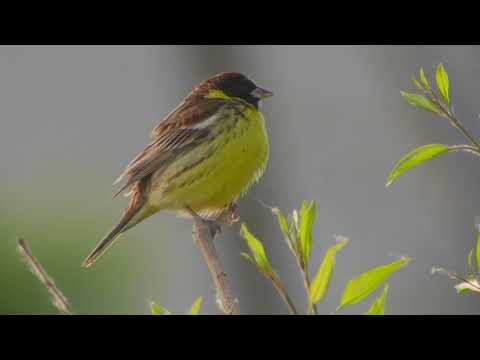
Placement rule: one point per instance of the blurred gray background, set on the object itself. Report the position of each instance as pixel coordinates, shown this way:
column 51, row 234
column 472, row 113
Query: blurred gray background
column 71, row 118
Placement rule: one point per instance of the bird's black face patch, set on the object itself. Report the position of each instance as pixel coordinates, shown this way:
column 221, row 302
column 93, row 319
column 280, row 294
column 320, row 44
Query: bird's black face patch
column 238, row 85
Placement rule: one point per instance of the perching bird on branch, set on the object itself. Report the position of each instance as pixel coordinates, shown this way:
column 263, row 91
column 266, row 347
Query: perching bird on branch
column 204, row 156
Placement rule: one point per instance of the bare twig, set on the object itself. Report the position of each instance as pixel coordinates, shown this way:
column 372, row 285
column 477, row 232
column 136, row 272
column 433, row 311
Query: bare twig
column 58, row 299
column 203, row 234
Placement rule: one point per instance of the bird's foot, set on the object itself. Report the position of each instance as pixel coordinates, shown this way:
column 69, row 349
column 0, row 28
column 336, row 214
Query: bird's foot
column 229, row 215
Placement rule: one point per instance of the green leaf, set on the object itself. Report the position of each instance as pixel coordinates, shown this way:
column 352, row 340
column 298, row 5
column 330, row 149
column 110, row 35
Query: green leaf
column 415, row 158
column 472, row 284
column 282, row 221
column 416, row 83
column 463, row 290
column 470, row 268
column 197, row 305
column 443, row 83
column 308, row 215
column 294, row 239
column 420, row 101
column 256, row 248
column 378, row 306
column 423, row 79
column 319, row 286
column 363, row 285
column 157, row 309
column 295, row 218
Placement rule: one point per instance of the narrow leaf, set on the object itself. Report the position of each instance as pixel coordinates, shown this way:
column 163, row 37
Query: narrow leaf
column 378, row 306
column 157, row 309
column 415, row 158
column 248, row 257
column 282, row 221
column 443, row 83
column 470, row 267
column 295, row 218
column 420, row 101
column 257, row 250
column 197, row 305
column 416, row 83
column 294, row 239
column 320, row 283
column 363, row 285
column 423, row 79
column 308, row 216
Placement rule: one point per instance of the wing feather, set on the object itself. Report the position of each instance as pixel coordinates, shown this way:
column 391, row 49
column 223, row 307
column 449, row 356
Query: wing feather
column 179, row 131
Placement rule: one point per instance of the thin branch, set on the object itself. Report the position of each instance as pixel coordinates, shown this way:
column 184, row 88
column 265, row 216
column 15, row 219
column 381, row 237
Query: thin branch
column 453, row 120
column 58, row 299
column 312, row 308
column 277, row 284
column 203, row 234
column 467, row 148
column 306, row 279
column 284, row 295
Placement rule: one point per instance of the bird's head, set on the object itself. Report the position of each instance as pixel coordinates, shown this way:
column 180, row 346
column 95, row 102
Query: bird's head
column 234, row 85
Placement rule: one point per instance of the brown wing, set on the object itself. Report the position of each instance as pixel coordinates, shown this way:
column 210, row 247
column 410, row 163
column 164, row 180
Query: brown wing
column 179, row 131
column 189, row 113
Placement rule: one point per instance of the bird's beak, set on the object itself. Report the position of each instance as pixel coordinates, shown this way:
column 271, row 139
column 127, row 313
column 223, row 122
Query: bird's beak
column 260, row 93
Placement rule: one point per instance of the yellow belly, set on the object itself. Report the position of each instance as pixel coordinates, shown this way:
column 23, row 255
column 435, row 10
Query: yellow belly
column 217, row 172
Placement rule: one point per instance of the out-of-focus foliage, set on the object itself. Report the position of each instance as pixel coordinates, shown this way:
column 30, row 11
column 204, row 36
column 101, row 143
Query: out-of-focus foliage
column 59, row 238
column 478, row 251
column 157, row 309
column 197, row 305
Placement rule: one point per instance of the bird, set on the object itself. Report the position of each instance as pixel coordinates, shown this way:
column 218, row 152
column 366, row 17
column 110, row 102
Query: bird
column 204, row 156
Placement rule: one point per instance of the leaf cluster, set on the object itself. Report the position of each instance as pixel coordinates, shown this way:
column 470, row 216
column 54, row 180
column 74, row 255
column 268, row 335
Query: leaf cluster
column 437, row 101
column 297, row 231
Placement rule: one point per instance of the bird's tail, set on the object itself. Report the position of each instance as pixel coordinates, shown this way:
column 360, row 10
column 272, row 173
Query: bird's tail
column 132, row 216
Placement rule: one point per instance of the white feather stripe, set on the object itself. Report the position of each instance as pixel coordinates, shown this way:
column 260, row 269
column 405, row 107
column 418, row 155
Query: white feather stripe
column 207, row 122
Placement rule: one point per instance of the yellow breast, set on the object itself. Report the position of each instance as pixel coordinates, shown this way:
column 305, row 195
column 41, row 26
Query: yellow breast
column 219, row 171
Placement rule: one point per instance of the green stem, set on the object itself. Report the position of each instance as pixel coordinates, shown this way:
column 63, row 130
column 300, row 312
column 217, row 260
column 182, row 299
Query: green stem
column 464, row 131
column 312, row 308
column 467, row 148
